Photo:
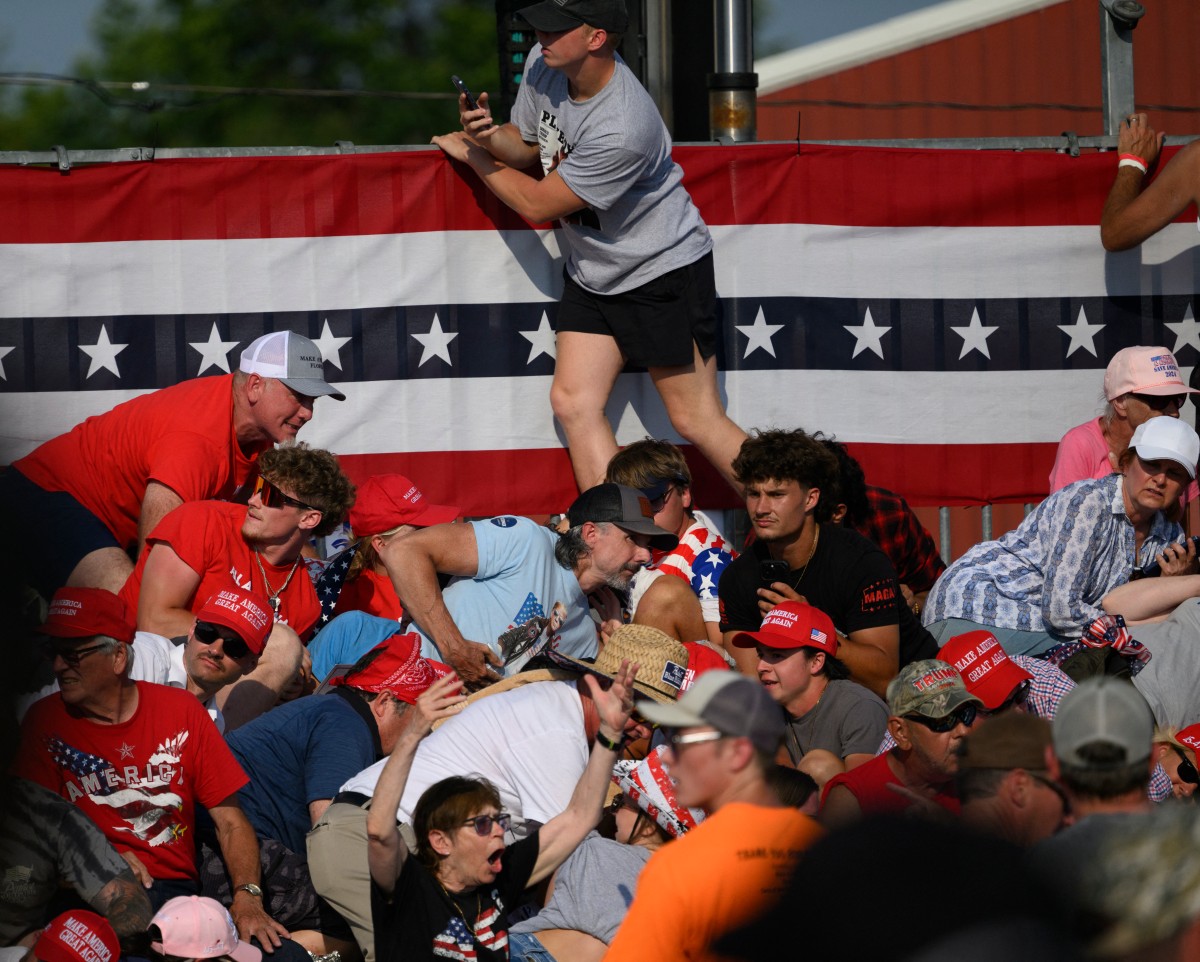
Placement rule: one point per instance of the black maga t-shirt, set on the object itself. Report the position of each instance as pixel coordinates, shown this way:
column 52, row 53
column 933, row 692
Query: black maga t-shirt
column 421, row 921
column 848, row 578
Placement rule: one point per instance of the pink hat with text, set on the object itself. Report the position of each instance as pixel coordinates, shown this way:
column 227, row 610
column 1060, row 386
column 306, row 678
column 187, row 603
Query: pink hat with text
column 1144, row 370
column 195, row 927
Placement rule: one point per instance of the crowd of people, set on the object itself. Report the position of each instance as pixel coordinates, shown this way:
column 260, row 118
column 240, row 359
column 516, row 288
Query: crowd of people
column 617, row 734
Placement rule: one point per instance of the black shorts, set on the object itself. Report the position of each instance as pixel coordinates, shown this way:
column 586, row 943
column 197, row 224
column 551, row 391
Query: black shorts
column 50, row 529
column 656, row 324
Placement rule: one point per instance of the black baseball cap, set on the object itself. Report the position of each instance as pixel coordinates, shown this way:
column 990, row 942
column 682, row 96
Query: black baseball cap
column 627, row 508
column 551, row 16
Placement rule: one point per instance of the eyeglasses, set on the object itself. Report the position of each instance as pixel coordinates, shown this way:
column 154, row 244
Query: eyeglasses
column 1056, row 788
column 72, row 657
column 617, row 801
column 657, row 504
column 1187, row 771
column 208, row 634
column 272, row 497
column 639, row 719
column 1018, row 697
column 1160, row 402
column 964, row 716
column 679, row 739
column 483, row 823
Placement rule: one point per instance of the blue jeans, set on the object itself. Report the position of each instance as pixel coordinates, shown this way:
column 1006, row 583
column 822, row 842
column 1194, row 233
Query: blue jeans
column 524, row 946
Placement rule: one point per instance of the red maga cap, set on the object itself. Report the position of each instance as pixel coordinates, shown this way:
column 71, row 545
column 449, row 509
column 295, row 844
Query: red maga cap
column 246, row 612
column 78, row 936
column 793, row 624
column 989, row 674
column 1190, row 736
column 386, row 501
column 86, row 612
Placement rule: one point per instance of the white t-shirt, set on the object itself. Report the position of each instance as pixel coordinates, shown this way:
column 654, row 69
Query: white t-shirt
column 529, row 742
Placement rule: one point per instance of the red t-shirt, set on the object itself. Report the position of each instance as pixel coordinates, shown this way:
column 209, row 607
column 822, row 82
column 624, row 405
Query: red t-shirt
column 869, row 782
column 139, row 781
column 181, row 436
column 207, row 537
column 372, row 593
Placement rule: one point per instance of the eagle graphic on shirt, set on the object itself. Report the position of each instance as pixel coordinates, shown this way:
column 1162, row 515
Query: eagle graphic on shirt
column 140, row 795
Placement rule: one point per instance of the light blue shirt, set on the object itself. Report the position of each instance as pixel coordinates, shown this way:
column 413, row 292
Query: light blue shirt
column 1051, row 573
column 518, row 580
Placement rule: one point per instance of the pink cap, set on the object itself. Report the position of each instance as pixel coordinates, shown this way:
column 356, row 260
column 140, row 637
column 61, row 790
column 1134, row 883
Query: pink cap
column 792, row 624
column 86, row 612
column 386, row 501
column 195, row 927
column 246, row 612
column 1144, row 370
column 987, row 671
column 78, row 936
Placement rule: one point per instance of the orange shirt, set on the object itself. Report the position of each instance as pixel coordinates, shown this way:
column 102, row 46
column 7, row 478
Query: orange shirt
column 720, row 875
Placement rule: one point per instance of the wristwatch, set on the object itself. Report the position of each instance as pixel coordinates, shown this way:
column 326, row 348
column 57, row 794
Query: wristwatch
column 251, row 888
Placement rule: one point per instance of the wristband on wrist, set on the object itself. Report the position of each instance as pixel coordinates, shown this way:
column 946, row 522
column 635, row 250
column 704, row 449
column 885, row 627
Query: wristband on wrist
column 1132, row 160
column 607, row 743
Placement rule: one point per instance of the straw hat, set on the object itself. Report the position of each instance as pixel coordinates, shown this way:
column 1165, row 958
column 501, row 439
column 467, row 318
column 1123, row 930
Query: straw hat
column 663, row 661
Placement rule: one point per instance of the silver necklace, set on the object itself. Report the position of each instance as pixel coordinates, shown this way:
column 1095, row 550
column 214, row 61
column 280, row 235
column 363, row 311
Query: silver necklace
column 273, row 596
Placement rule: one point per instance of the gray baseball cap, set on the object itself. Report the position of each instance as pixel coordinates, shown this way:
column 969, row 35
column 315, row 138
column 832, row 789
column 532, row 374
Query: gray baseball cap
column 291, row 358
column 1106, row 710
column 627, row 508
column 732, row 703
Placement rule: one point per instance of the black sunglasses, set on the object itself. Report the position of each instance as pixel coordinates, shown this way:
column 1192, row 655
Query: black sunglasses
column 1187, row 771
column 209, row 634
column 1018, row 697
column 1056, row 788
column 964, row 716
column 1160, row 402
column 72, row 657
column 272, row 497
column 483, row 823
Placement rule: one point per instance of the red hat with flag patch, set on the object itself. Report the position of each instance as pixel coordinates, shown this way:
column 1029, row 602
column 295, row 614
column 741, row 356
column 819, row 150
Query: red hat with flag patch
column 792, row 624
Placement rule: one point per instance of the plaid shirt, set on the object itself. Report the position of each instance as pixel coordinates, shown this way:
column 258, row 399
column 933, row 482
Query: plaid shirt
column 897, row 531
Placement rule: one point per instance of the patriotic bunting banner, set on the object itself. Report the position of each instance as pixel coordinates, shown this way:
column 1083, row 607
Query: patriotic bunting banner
column 947, row 313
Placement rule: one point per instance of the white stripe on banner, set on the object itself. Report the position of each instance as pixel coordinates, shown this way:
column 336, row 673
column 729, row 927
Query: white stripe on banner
column 482, row 267
column 485, row 414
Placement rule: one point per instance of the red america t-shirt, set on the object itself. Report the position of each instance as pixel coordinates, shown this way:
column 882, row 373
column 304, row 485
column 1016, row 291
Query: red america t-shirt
column 207, row 537
column 139, row 781
column 181, row 436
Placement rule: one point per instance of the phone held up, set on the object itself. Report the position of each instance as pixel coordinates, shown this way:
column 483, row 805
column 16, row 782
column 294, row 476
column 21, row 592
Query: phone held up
column 463, row 89
column 771, row 570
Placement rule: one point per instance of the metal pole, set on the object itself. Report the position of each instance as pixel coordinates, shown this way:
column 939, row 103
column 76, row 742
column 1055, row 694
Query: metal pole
column 732, row 100
column 658, row 59
column 1117, row 20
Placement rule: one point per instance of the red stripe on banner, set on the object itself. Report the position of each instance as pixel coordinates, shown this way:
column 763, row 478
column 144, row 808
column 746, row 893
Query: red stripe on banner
column 417, row 191
column 539, row 482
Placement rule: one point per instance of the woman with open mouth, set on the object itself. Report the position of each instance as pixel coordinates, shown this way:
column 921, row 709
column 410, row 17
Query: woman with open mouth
column 452, row 899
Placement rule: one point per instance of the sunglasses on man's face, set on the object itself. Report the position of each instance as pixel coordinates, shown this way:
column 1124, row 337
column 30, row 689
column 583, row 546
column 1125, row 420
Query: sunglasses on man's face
column 1187, row 771
column 1160, row 402
column 272, row 497
column 483, row 823
column 71, row 656
column 209, row 634
column 964, row 716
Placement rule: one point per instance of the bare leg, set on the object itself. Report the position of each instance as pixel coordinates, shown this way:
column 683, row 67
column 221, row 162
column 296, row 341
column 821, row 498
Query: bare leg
column 258, row 691
column 693, row 401
column 107, row 568
column 584, row 375
column 671, row 606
